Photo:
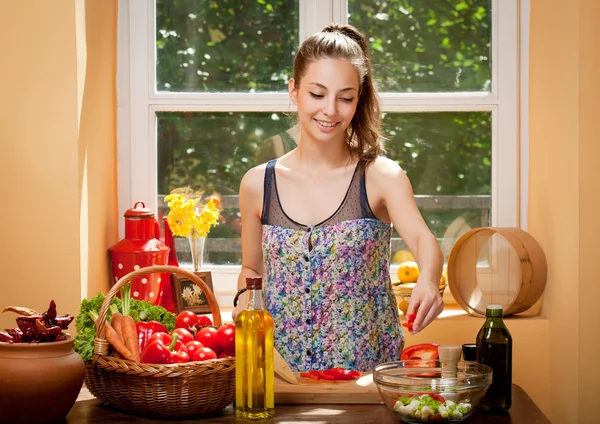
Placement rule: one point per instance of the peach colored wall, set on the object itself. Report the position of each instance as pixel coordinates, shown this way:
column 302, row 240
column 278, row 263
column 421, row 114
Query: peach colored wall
column 563, row 202
column 58, row 161
column 57, row 118
column 589, row 205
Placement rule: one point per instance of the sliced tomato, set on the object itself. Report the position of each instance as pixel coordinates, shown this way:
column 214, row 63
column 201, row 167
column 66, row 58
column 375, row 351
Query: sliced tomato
column 420, row 351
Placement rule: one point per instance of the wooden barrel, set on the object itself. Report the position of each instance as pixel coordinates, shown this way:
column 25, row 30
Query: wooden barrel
column 492, row 265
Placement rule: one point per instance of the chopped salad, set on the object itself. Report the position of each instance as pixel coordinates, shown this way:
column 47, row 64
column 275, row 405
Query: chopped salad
column 430, row 407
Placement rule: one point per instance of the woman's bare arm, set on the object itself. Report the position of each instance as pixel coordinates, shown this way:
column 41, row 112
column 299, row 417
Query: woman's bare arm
column 251, row 200
column 393, row 188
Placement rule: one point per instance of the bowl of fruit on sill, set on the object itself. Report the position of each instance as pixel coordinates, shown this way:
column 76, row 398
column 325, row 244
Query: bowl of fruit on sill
column 415, row 391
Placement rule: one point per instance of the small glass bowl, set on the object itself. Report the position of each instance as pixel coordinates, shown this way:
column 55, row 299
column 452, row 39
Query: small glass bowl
column 416, row 391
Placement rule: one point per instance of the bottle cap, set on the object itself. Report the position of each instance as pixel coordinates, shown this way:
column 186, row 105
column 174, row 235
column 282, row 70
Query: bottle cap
column 493, row 311
column 254, row 283
column 469, row 351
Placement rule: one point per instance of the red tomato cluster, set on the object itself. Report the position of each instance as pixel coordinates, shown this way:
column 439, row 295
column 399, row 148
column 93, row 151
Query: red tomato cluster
column 193, row 339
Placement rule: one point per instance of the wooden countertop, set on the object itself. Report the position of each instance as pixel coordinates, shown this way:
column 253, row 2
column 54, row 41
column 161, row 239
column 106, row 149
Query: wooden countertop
column 89, row 410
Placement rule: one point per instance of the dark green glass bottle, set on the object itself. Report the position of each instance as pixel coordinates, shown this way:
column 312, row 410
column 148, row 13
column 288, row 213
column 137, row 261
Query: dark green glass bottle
column 494, row 348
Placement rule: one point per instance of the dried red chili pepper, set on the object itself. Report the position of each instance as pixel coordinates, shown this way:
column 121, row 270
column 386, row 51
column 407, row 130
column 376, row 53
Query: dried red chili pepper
column 6, row 338
column 16, row 334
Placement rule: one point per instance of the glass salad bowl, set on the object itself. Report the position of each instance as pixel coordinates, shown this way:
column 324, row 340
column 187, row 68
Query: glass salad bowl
column 416, row 391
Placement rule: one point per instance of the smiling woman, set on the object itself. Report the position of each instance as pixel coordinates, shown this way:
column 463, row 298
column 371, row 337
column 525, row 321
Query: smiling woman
column 317, row 220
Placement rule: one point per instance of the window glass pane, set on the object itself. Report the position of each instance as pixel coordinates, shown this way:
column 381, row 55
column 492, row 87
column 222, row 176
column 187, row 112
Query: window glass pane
column 448, row 159
column 212, row 152
column 447, row 156
column 427, row 45
column 225, row 45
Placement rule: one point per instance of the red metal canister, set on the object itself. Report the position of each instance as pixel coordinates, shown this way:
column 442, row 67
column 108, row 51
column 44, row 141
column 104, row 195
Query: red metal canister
column 140, row 248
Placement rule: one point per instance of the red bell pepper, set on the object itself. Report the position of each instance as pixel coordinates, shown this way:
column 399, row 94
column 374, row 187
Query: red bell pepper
column 164, row 349
column 420, row 351
column 331, row 374
column 342, row 373
column 410, row 318
column 146, row 329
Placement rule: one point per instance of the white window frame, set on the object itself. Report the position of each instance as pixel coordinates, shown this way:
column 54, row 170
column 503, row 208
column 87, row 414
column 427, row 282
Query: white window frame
column 138, row 103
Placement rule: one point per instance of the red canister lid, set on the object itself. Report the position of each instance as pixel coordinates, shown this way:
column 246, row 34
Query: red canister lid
column 139, row 211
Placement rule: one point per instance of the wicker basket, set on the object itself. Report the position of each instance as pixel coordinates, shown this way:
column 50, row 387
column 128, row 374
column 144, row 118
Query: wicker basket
column 173, row 391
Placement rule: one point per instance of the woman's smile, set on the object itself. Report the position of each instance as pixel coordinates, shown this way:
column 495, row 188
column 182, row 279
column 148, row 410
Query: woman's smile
column 326, row 126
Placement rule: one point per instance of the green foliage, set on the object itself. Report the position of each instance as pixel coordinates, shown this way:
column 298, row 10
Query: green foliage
column 427, row 45
column 225, row 45
column 247, row 46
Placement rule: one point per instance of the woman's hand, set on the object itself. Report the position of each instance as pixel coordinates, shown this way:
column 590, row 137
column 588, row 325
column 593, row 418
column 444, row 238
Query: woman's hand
column 426, row 302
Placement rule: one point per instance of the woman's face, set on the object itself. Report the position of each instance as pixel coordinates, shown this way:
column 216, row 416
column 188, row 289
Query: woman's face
column 326, row 98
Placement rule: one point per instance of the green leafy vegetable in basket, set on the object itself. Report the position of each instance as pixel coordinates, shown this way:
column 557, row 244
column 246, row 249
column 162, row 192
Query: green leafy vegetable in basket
column 138, row 309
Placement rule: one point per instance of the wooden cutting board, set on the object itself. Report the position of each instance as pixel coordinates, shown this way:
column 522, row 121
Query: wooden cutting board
column 360, row 391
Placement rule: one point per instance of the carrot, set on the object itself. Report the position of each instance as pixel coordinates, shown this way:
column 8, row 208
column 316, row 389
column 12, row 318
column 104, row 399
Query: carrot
column 113, row 338
column 130, row 335
column 116, row 320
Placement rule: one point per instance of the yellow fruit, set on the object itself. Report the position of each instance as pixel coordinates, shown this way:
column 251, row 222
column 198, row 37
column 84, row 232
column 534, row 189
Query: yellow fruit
column 443, row 279
column 408, row 272
column 402, row 256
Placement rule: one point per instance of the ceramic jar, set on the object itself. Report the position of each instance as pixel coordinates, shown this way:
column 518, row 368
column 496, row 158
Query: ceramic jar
column 39, row 382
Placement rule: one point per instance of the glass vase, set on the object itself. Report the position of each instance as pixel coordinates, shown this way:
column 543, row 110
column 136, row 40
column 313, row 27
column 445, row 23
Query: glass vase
column 197, row 251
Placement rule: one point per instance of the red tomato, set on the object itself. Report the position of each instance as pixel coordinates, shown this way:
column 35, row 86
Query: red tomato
column 226, row 338
column 187, row 320
column 184, row 335
column 192, row 347
column 225, row 355
column 204, row 321
column 208, row 337
column 204, row 354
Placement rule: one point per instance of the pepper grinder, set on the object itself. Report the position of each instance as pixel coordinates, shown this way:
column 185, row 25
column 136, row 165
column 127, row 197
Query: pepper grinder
column 449, row 357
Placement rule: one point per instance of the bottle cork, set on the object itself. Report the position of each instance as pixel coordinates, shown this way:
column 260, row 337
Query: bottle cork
column 449, row 356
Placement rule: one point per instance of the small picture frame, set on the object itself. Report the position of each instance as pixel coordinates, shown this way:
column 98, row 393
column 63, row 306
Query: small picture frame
column 187, row 296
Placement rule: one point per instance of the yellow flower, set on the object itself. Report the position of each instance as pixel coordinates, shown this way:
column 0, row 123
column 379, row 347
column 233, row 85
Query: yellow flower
column 188, row 216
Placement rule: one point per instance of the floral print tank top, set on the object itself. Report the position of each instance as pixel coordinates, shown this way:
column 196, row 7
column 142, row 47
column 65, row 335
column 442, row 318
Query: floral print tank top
column 328, row 286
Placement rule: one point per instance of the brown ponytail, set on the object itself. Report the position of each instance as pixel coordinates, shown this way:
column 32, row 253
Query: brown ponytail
column 363, row 136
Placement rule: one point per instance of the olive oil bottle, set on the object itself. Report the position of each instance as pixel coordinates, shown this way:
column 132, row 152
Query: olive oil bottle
column 254, row 378
column 494, row 348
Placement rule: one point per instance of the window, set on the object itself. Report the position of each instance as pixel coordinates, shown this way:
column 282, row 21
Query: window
column 203, row 97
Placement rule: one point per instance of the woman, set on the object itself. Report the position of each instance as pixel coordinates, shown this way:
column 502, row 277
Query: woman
column 316, row 221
